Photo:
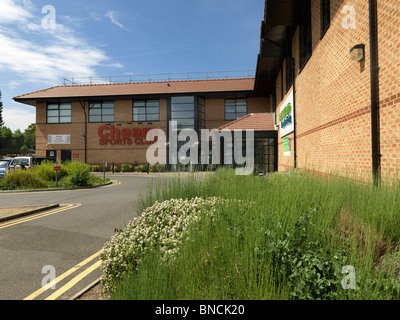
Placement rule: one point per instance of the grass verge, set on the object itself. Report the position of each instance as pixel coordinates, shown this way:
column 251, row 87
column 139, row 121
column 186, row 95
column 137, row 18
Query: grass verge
column 296, row 238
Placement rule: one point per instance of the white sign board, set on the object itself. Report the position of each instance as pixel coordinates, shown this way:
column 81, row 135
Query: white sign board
column 286, row 116
column 59, row 139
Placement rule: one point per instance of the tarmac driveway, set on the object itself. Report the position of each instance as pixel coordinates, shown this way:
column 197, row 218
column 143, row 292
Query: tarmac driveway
column 64, row 243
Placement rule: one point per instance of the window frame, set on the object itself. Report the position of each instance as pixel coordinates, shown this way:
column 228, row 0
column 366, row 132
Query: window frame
column 305, row 35
column 59, row 116
column 325, row 23
column 101, row 103
column 146, row 107
column 236, row 112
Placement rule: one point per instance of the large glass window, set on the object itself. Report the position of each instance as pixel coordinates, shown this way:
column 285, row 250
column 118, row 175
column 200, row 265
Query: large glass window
column 235, row 108
column 305, row 34
column 59, row 113
column 146, row 110
column 183, row 112
column 101, row 112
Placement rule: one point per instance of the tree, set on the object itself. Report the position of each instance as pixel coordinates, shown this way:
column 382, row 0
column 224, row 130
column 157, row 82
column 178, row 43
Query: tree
column 5, row 132
column 30, row 137
column 1, row 112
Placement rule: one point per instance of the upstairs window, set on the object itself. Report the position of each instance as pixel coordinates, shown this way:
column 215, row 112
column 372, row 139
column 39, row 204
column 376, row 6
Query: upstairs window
column 59, row 113
column 101, row 112
column 146, row 110
column 325, row 16
column 235, row 108
column 305, row 34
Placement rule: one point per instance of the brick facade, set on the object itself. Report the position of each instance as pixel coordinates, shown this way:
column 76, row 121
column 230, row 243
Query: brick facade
column 333, row 99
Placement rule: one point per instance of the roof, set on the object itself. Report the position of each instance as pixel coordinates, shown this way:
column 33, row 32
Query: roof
column 252, row 121
column 139, row 88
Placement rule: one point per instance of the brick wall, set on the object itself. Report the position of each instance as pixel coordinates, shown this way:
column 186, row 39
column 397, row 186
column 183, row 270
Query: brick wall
column 333, row 121
column 123, row 153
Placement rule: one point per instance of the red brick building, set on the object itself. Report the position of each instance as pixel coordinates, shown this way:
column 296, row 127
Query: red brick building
column 329, row 70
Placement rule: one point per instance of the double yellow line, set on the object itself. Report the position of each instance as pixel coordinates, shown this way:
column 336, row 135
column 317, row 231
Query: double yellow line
column 38, row 216
column 71, row 283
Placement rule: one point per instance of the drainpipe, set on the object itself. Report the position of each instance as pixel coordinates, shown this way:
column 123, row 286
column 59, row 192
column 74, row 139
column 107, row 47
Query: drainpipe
column 84, row 111
column 289, row 56
column 374, row 65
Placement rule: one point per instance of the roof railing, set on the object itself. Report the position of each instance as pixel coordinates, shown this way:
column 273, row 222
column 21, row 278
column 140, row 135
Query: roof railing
column 180, row 76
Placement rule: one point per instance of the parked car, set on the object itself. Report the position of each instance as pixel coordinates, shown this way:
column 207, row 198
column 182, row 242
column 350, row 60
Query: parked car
column 27, row 162
column 4, row 166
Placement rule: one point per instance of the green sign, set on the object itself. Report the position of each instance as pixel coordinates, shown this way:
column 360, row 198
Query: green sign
column 286, row 147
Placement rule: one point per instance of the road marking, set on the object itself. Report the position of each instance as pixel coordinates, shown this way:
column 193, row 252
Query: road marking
column 39, row 215
column 74, row 281
column 63, row 276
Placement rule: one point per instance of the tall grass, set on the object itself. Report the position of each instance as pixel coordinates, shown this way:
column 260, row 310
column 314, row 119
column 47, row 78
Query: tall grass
column 290, row 242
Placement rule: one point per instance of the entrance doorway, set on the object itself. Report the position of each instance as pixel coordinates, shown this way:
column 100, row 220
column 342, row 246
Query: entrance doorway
column 66, row 155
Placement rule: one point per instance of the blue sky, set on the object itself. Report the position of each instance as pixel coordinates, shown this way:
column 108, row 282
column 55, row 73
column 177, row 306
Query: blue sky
column 102, row 38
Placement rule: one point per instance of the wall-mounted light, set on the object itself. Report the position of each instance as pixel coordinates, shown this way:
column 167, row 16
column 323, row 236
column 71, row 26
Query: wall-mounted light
column 83, row 137
column 357, row 53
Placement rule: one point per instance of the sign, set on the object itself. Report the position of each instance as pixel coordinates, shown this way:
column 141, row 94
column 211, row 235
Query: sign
column 59, row 139
column 75, row 155
column 57, row 167
column 109, row 135
column 287, row 147
column 286, row 116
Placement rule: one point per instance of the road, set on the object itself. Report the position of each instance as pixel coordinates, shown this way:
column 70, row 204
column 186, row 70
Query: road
column 64, row 243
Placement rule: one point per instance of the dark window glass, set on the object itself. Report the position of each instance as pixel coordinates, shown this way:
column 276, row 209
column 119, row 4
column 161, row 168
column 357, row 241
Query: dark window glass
column 101, row 111
column 183, row 112
column 235, row 108
column 59, row 113
column 146, row 110
column 325, row 15
column 305, row 34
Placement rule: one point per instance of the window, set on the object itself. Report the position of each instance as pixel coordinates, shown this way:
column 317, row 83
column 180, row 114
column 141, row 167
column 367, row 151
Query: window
column 183, row 112
column 325, row 15
column 59, row 113
column 146, row 110
column 101, row 112
column 235, row 108
column 305, row 34
column 289, row 73
column 202, row 113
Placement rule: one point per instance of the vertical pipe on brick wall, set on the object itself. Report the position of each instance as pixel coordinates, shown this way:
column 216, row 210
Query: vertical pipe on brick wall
column 374, row 65
column 85, row 114
column 294, row 112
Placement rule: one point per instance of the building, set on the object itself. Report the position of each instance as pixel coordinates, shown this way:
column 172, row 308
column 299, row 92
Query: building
column 345, row 105
column 327, row 69
column 109, row 122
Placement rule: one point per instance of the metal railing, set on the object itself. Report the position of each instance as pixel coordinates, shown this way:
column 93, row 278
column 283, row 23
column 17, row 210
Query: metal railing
column 180, row 76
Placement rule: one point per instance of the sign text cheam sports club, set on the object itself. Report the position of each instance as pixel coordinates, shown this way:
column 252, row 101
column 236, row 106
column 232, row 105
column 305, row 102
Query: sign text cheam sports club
column 109, row 135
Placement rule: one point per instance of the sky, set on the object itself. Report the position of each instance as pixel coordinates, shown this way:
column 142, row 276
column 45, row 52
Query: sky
column 43, row 42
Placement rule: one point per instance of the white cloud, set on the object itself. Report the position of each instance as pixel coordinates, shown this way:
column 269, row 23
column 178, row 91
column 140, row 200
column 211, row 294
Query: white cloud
column 34, row 54
column 19, row 117
column 111, row 15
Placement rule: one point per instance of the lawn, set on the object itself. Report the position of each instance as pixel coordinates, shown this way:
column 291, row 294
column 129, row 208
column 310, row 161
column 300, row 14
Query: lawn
column 282, row 236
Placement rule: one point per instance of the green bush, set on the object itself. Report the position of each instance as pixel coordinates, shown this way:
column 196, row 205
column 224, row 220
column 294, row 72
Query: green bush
column 78, row 174
column 22, row 180
column 97, row 168
column 126, row 168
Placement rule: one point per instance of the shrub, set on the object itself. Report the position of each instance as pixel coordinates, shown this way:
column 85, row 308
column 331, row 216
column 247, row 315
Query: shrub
column 78, row 174
column 22, row 180
column 97, row 168
column 165, row 226
column 126, row 168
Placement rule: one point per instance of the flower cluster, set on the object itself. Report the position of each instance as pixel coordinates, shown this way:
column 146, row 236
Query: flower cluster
column 165, row 225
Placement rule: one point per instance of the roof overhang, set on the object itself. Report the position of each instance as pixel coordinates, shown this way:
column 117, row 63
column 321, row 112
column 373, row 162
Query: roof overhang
column 281, row 18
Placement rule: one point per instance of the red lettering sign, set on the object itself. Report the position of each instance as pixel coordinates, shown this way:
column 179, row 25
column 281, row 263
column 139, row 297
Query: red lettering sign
column 109, row 135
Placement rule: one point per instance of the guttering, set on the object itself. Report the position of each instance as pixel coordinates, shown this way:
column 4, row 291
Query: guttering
column 374, row 65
